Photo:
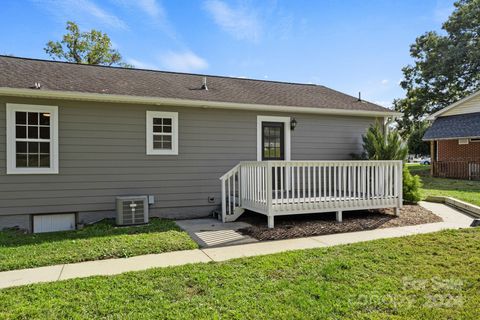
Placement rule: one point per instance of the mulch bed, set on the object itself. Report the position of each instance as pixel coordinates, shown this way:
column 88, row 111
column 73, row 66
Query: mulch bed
column 305, row 225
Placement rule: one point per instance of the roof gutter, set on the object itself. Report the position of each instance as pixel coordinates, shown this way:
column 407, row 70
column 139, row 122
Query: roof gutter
column 116, row 98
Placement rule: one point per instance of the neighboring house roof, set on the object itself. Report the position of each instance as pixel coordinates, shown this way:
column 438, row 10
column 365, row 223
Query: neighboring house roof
column 454, row 105
column 454, row 127
column 19, row 75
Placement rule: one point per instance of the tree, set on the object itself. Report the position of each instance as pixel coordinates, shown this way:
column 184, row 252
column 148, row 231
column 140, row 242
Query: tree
column 92, row 47
column 446, row 67
column 415, row 143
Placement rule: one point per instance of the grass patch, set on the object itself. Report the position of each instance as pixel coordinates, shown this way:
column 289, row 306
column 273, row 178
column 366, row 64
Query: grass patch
column 99, row 241
column 465, row 190
column 430, row 276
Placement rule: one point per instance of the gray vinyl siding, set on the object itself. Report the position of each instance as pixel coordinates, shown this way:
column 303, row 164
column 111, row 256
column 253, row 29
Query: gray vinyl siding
column 102, row 154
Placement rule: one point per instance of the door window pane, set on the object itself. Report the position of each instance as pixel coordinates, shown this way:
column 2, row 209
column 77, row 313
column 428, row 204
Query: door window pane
column 273, row 141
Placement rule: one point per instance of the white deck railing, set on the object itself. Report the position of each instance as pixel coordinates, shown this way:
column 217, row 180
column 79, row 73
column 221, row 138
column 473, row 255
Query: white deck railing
column 292, row 187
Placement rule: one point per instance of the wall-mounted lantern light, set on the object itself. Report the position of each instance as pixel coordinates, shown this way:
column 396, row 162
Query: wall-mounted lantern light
column 293, row 124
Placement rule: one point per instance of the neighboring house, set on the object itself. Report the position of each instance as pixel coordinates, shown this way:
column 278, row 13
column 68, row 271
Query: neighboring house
column 74, row 137
column 455, row 139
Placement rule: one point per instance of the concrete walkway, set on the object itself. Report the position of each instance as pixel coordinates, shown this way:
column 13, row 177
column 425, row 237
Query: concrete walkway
column 453, row 219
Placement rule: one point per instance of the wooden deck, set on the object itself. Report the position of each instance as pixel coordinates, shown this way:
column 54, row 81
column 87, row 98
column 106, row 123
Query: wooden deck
column 296, row 187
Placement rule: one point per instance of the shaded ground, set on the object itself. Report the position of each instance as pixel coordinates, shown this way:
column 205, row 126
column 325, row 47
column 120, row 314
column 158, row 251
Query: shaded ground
column 209, row 232
column 297, row 226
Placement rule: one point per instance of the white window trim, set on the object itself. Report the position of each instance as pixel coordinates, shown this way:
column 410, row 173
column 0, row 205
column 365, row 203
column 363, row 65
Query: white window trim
column 11, row 145
column 286, row 121
column 162, row 114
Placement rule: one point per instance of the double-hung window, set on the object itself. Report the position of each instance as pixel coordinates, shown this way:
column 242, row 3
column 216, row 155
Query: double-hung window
column 162, row 132
column 32, row 139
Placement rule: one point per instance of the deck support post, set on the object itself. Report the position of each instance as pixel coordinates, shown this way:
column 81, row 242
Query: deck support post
column 432, row 158
column 339, row 216
column 396, row 211
column 224, row 200
column 270, row 222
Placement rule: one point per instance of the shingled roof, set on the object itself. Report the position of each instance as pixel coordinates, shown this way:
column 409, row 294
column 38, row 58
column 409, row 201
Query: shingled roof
column 22, row 73
column 454, row 127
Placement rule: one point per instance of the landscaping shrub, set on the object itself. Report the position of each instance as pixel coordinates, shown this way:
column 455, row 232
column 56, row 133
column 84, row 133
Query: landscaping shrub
column 411, row 186
column 378, row 146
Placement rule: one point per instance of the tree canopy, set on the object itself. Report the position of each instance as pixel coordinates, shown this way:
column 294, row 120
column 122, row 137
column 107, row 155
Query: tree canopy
column 91, row 47
column 446, row 66
column 415, row 143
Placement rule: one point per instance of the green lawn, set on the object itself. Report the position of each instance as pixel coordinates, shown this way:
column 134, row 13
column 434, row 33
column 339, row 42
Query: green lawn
column 465, row 190
column 100, row 241
column 430, row 276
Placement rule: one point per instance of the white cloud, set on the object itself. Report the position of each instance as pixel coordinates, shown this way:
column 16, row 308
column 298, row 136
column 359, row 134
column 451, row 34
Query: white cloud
column 384, row 81
column 82, row 11
column 241, row 22
column 183, row 61
column 155, row 12
column 141, row 64
column 152, row 8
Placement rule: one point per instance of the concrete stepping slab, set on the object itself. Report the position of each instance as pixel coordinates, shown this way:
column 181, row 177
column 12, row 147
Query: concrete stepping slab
column 213, row 233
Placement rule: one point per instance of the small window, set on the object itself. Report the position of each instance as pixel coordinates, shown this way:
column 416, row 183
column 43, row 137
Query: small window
column 32, row 139
column 162, row 132
column 475, row 140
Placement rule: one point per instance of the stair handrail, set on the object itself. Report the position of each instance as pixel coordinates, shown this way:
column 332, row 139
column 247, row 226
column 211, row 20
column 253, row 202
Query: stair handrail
column 224, row 179
column 230, row 172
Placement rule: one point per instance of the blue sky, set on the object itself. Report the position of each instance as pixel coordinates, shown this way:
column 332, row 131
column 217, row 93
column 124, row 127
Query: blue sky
column 348, row 45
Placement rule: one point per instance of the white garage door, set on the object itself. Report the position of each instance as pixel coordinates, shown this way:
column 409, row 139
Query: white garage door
column 53, row 222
